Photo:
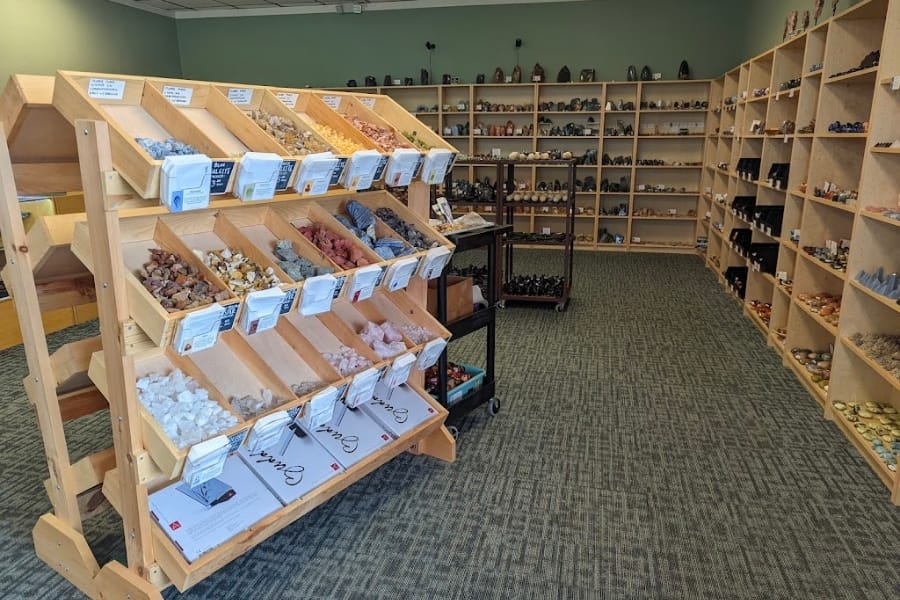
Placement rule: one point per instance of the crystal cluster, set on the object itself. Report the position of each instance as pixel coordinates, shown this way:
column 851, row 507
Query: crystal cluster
column 297, row 267
column 182, row 408
column 416, row 333
column 347, row 361
column 176, row 284
column 362, row 223
column 250, row 405
column 240, row 273
column 299, row 143
column 382, row 136
column 878, row 282
column 340, row 251
column 385, row 339
column 341, row 143
column 408, row 231
column 306, row 387
column 878, row 424
column 882, row 348
column 170, row 147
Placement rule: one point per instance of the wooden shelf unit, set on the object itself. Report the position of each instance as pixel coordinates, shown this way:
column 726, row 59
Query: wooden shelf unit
column 846, row 160
column 457, row 105
column 76, row 381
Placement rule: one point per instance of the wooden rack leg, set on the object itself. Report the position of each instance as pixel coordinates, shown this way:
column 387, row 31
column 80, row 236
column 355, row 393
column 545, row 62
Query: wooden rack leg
column 41, row 386
column 103, row 224
column 440, row 444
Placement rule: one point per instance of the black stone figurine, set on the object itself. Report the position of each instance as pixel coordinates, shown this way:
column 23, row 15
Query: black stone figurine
column 632, row 73
column 646, row 74
column 684, row 71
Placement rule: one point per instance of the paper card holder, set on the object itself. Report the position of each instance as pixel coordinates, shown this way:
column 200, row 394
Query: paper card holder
column 316, row 174
column 401, row 167
column 205, row 460
column 267, row 431
column 431, row 353
column 199, row 330
column 261, row 310
column 434, row 262
column 399, row 371
column 185, row 182
column 400, row 272
column 317, row 294
column 362, row 388
column 361, row 170
column 363, row 282
column 319, row 409
column 258, row 176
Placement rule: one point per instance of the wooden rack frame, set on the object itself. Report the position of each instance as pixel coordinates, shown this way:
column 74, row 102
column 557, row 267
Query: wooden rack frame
column 125, row 473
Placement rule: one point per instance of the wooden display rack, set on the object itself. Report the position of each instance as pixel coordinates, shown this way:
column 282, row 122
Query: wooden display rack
column 77, row 379
column 818, row 59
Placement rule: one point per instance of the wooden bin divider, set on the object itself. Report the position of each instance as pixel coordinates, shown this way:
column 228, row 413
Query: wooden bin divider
column 338, row 205
column 311, row 110
column 382, row 199
column 325, row 333
column 164, row 452
column 355, row 317
column 139, row 236
column 390, row 111
column 141, row 111
column 350, row 107
column 298, row 214
column 223, row 122
column 290, row 361
column 262, row 227
column 237, row 370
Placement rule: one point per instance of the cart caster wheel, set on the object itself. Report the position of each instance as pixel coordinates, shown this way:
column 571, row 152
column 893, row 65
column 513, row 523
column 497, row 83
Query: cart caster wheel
column 501, row 304
column 493, row 407
column 454, row 431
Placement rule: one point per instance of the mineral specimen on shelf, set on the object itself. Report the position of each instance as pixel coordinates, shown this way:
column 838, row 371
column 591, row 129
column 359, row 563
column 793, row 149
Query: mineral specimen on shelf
column 297, row 267
column 250, row 406
column 298, row 142
column 413, row 137
column 407, row 231
column 877, row 423
column 347, row 361
column 344, row 253
column 362, row 224
column 176, row 284
column 341, row 143
column 306, row 387
column 170, row 147
column 385, row 339
column 241, row 274
column 382, row 136
column 456, row 376
column 882, row 348
column 182, row 408
column 878, row 282
column 416, row 333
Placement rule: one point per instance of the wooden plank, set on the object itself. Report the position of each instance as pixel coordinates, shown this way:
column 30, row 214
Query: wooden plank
column 116, row 581
column 66, row 293
column 10, row 333
column 94, row 152
column 41, row 386
column 439, row 444
column 65, row 550
column 81, row 403
column 45, row 178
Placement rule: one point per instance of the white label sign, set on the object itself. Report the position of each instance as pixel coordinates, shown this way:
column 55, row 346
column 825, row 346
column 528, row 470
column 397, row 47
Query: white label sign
column 370, row 102
column 240, row 96
column 332, row 101
column 106, row 89
column 179, row 96
column 288, row 98
column 198, row 330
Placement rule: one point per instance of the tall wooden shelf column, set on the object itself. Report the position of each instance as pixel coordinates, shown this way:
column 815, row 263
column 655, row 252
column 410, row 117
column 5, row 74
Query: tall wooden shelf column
column 124, row 473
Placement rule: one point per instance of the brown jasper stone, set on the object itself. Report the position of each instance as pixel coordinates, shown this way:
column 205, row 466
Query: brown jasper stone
column 176, row 284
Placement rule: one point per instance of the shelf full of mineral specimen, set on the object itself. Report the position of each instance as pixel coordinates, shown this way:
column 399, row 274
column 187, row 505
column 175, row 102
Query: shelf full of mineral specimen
column 261, row 139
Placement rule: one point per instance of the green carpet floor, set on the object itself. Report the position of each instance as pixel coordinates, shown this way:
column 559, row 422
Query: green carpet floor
column 649, row 445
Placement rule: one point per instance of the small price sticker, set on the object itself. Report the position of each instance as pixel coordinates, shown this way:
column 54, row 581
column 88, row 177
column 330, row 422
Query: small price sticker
column 177, row 95
column 289, row 99
column 240, row 96
column 333, row 102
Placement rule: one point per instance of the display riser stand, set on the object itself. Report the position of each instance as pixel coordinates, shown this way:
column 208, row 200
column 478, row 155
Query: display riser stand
column 74, row 487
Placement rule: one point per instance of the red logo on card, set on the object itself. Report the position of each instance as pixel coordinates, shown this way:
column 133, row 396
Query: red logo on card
column 175, row 526
column 431, row 410
column 385, row 437
column 335, row 467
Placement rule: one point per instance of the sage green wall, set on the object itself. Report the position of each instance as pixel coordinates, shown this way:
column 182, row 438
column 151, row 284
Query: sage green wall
column 328, row 49
column 41, row 36
column 763, row 22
